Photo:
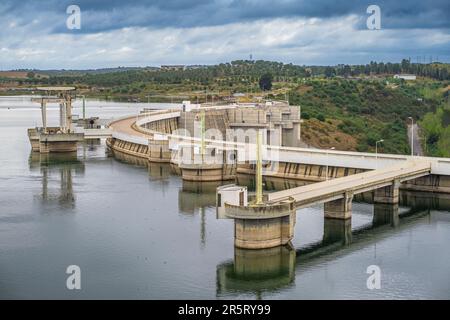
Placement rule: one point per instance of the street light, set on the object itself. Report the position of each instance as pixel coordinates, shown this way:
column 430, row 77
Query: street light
column 376, row 151
column 326, row 175
column 412, row 135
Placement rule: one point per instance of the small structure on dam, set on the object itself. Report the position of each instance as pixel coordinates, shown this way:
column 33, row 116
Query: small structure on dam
column 55, row 139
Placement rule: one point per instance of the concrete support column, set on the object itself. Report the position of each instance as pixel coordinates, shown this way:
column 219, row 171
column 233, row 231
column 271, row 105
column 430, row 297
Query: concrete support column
column 389, row 194
column 264, row 233
column 339, row 209
column 158, row 151
column 44, row 115
column 69, row 125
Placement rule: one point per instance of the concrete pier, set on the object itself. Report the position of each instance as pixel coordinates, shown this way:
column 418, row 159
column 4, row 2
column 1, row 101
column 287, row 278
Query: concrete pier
column 389, row 194
column 262, row 226
column 55, row 139
column 158, row 150
column 63, row 142
column 339, row 209
column 207, row 172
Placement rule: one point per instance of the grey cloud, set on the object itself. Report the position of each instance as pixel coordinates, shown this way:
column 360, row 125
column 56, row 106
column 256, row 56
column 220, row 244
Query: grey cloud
column 101, row 15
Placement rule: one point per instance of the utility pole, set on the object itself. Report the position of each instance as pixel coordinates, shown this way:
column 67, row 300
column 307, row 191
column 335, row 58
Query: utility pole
column 84, row 107
column 376, row 151
column 412, row 135
column 202, row 127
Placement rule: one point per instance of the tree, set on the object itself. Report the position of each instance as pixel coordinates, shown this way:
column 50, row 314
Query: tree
column 265, row 82
column 329, row 72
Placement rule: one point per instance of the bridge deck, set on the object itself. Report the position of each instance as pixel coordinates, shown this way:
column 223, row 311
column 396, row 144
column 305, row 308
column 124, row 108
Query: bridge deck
column 336, row 188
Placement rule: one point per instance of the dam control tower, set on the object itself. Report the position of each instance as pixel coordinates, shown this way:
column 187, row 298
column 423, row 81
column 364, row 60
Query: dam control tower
column 63, row 138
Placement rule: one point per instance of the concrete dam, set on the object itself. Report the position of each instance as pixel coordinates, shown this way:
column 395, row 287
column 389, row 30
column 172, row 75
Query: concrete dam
column 217, row 142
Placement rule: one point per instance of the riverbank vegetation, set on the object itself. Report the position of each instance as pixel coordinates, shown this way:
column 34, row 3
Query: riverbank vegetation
column 346, row 107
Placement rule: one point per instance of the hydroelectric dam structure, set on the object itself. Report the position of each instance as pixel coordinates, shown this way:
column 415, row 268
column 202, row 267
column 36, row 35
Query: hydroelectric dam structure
column 217, row 142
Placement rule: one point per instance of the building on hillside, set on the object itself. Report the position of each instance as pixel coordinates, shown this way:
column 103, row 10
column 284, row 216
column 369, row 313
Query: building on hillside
column 174, row 67
column 405, row 76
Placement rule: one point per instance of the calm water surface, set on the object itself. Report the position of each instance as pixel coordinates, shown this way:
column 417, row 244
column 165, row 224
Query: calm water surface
column 137, row 231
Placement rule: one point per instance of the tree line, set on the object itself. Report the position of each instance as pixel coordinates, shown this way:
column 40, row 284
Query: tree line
column 243, row 71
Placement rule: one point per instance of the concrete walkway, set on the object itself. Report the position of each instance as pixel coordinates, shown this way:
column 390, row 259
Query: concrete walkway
column 336, row 188
column 418, row 151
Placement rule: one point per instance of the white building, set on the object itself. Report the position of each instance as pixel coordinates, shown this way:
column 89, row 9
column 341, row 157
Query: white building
column 405, row 76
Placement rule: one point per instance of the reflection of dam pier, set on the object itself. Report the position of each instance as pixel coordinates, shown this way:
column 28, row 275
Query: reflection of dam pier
column 257, row 270
column 194, row 195
column 58, row 168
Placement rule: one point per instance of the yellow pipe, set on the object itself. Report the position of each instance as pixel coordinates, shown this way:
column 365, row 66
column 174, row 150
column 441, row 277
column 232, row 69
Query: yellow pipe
column 202, row 124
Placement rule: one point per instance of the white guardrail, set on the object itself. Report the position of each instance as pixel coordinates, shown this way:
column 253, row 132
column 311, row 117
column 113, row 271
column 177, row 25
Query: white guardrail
column 130, row 138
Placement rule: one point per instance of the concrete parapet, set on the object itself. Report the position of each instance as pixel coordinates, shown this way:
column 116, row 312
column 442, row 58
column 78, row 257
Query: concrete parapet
column 300, row 171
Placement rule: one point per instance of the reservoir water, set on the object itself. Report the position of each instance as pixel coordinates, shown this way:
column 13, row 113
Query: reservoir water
column 137, row 231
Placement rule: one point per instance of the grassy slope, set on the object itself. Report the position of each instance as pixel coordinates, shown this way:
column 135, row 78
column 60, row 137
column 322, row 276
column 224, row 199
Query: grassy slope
column 353, row 115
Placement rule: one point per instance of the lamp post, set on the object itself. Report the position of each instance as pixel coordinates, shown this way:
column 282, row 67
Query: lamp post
column 412, row 135
column 376, row 151
column 84, row 106
column 326, row 174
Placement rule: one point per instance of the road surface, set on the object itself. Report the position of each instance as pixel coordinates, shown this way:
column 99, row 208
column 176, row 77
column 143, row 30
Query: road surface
column 418, row 151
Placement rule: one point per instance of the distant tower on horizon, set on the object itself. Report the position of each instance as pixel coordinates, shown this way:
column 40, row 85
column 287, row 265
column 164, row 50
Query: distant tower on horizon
column 251, row 57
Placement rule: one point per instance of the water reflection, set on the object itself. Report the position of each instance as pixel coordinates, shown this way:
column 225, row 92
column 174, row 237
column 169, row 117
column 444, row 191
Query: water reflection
column 197, row 195
column 257, row 271
column 56, row 172
column 128, row 159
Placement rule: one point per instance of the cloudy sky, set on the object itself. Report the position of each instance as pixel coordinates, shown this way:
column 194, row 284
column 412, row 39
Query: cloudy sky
column 34, row 34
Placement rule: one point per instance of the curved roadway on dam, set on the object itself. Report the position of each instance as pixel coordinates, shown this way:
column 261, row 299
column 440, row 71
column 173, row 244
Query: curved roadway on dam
column 125, row 126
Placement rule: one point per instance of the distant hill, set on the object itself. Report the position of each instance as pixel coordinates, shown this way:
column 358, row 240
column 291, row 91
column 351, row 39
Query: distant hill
column 23, row 75
column 81, row 72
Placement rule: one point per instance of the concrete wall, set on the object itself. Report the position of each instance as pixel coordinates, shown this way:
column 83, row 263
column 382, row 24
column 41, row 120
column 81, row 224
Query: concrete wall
column 264, row 233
